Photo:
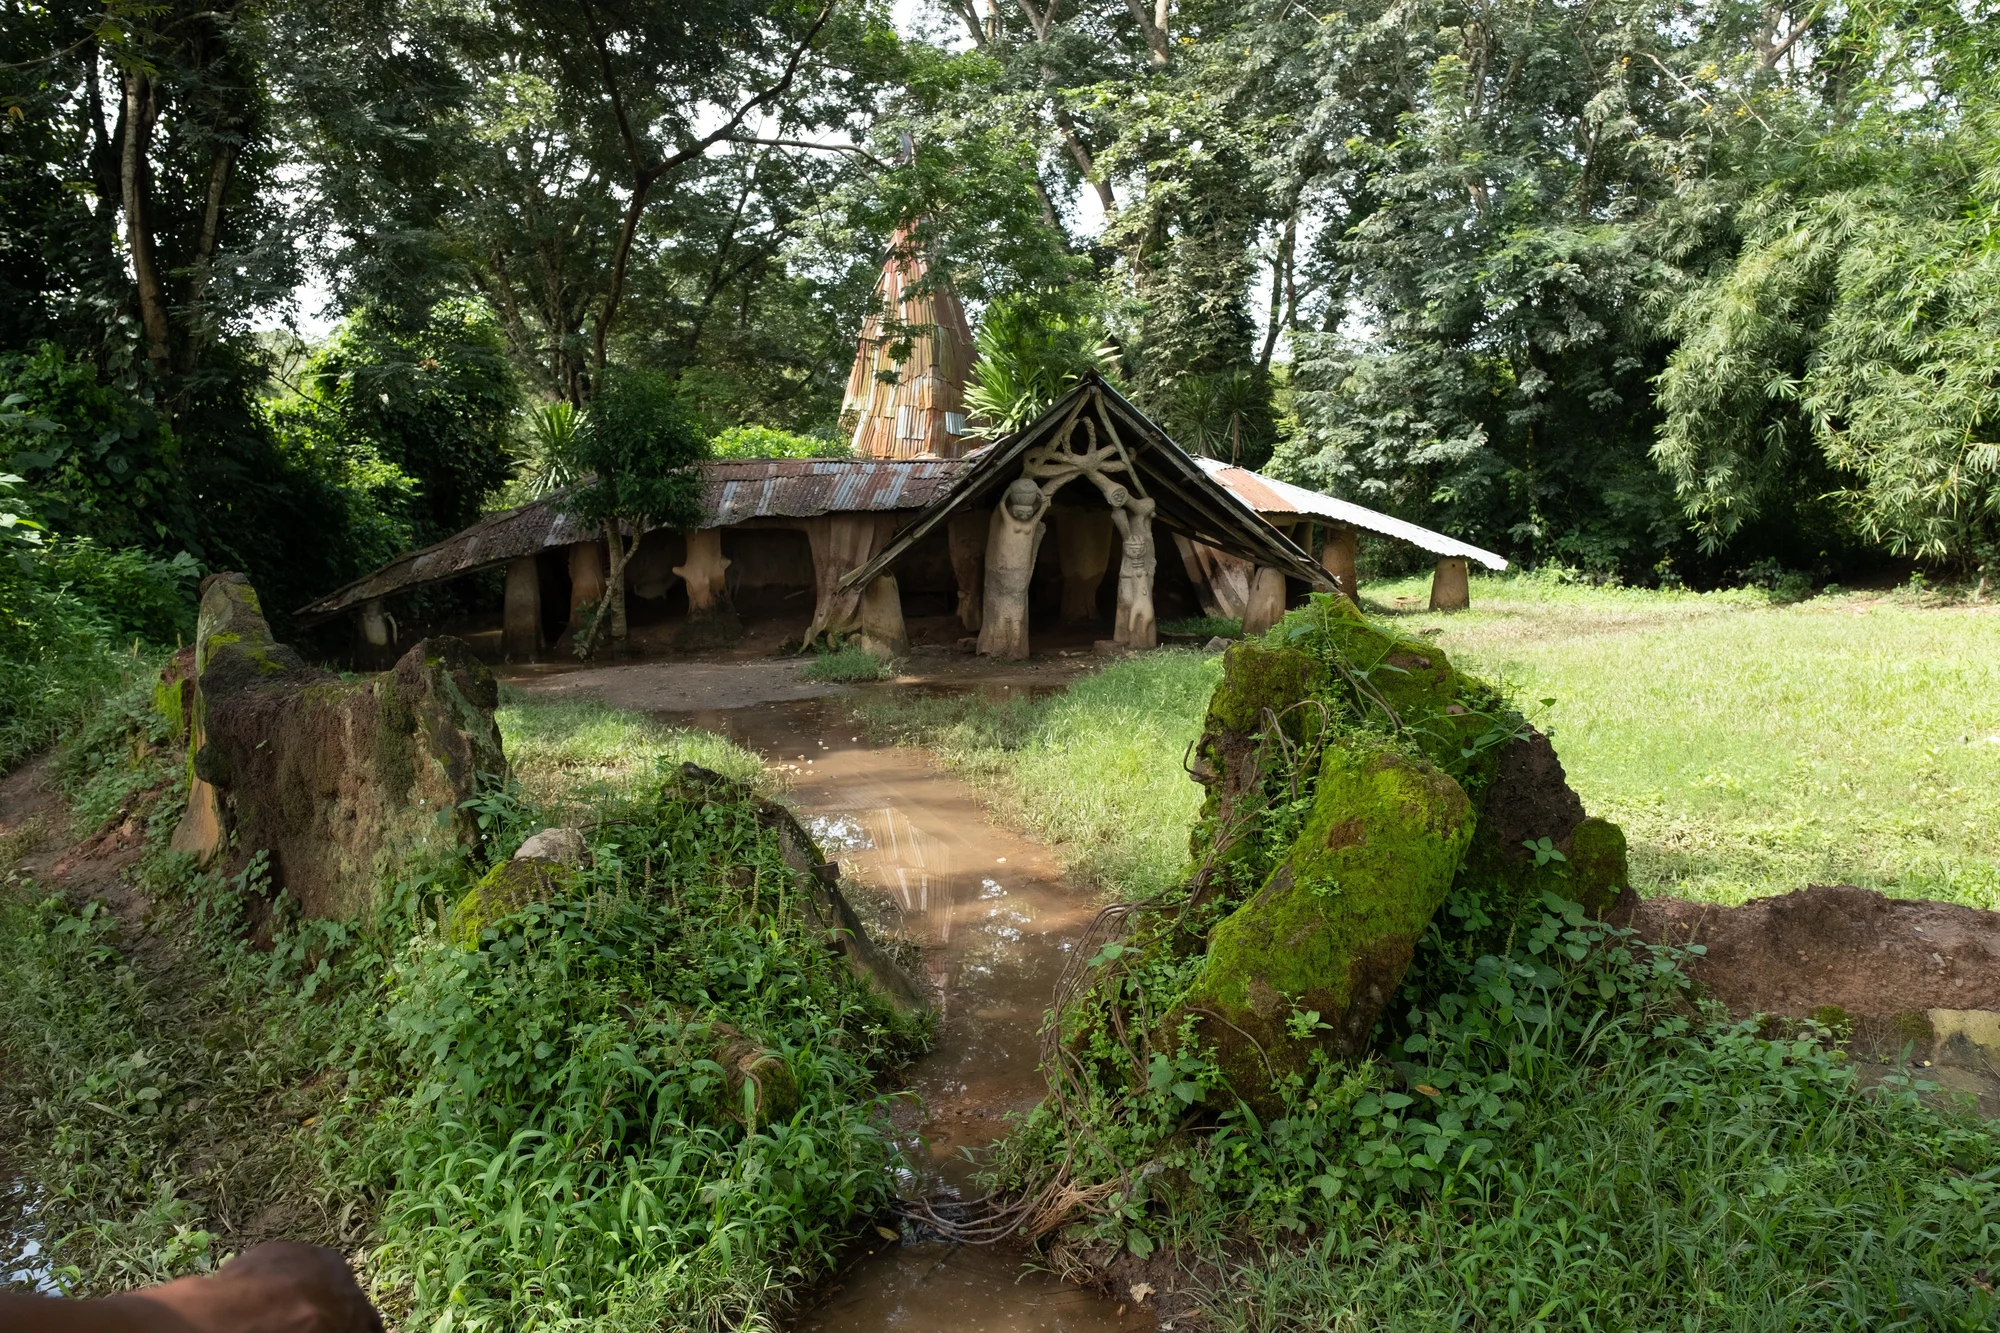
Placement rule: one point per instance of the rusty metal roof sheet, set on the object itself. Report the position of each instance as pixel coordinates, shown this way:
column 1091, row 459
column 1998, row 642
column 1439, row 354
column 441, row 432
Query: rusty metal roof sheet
column 906, row 392
column 1268, row 495
column 733, row 491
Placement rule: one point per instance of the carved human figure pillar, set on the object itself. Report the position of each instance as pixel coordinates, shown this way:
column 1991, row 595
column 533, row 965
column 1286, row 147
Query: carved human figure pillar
column 1014, row 538
column 1132, row 515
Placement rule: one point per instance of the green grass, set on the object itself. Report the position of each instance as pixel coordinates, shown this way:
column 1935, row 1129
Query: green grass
column 572, row 755
column 1095, row 770
column 846, row 665
column 1208, row 627
column 1728, row 1184
column 1750, row 748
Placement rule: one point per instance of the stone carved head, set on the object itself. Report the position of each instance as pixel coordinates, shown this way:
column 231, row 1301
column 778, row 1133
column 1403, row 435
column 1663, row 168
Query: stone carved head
column 1023, row 499
column 1116, row 496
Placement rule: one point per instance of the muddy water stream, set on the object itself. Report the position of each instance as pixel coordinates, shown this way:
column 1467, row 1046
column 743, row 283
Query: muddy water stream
column 923, row 859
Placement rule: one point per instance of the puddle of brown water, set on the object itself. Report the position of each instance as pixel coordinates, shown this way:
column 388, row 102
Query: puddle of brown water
column 922, row 858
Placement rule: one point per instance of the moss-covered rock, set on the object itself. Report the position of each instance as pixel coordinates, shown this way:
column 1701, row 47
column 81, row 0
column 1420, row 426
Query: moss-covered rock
column 505, row 890
column 1356, row 779
column 1331, row 932
column 341, row 782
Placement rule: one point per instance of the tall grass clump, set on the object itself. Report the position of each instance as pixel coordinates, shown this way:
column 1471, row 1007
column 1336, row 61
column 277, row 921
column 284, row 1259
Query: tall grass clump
column 848, row 664
column 1095, row 770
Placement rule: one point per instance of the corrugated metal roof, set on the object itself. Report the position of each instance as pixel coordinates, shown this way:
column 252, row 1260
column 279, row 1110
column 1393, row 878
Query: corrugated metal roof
column 906, row 407
column 1268, row 495
column 733, row 491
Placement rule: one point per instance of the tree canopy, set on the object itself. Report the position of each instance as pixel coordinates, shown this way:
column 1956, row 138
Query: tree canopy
column 1641, row 287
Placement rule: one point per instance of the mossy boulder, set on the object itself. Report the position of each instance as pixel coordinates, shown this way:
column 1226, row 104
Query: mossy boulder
column 1419, row 784
column 341, row 782
column 1533, row 837
column 505, row 890
column 1332, row 930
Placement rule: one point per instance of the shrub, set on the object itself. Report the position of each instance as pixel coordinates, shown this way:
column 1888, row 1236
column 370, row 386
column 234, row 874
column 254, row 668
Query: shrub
column 769, row 442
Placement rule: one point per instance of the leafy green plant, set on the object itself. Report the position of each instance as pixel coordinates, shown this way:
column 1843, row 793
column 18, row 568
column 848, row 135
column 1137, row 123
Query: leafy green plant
column 769, row 442
column 1030, row 351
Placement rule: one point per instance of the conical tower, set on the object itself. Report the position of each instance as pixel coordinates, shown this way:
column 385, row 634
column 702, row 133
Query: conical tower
column 916, row 405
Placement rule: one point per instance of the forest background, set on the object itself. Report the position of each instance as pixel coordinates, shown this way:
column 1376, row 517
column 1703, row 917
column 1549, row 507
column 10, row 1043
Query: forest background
column 1656, row 291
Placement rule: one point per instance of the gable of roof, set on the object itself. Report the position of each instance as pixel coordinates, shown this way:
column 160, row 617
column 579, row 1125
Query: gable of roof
column 1268, row 496
column 1190, row 501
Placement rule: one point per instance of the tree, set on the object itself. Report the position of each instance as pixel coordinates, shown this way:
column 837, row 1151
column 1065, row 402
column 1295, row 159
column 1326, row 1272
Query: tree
column 436, row 399
column 639, row 449
column 1854, row 329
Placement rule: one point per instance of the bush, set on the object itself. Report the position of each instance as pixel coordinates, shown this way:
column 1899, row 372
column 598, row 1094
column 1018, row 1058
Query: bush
column 768, row 442
column 77, row 622
column 568, row 1096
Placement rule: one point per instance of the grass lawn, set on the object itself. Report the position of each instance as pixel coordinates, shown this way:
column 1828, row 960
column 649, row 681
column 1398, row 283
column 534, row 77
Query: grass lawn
column 1750, row 748
column 1747, row 748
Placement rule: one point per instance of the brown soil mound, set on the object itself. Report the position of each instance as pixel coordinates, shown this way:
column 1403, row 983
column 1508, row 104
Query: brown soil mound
column 1832, row 946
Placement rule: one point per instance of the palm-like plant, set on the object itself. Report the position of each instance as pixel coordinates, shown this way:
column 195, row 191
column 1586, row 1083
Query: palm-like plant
column 548, row 448
column 1028, row 358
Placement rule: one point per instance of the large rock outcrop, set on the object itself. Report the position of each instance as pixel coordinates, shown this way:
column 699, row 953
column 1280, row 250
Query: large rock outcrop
column 1357, row 783
column 341, row 782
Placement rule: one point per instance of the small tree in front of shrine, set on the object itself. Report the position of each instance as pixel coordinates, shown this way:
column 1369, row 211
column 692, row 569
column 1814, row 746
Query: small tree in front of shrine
column 637, row 449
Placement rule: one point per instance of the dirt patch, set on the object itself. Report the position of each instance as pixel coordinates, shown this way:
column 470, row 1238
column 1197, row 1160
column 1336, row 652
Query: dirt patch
column 32, row 816
column 675, row 686
column 679, row 686
column 1833, row 946
column 1899, row 979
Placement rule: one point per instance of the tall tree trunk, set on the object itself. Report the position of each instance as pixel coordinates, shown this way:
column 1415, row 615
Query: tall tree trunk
column 142, row 110
column 221, row 163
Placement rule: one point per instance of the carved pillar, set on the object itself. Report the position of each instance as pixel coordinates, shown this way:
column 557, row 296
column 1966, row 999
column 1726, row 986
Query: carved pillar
column 1083, row 545
column 711, row 616
column 1337, row 559
column 1451, row 584
column 1132, row 515
column 1014, row 538
column 1266, row 604
column 374, row 636
column 882, row 632
column 704, row 571
column 842, row 543
column 1221, row 581
column 521, row 611
column 966, row 534
column 586, row 579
